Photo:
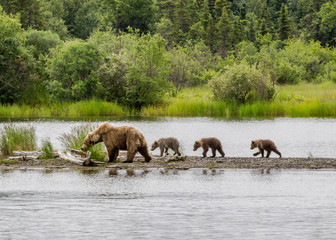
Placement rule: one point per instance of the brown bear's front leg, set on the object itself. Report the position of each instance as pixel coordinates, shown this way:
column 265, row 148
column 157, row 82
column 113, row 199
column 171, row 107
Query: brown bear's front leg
column 256, row 154
column 144, row 152
column 113, row 155
column 213, row 152
column 268, row 153
column 161, row 151
column 205, row 150
column 262, row 152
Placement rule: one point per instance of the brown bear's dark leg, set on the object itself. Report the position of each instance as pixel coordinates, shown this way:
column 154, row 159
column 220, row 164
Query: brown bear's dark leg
column 213, row 152
column 144, row 152
column 262, row 152
column 161, row 152
column 268, row 154
column 177, row 152
column 166, row 151
column 277, row 152
column 220, row 150
column 113, row 155
column 256, row 154
column 205, row 150
column 130, row 156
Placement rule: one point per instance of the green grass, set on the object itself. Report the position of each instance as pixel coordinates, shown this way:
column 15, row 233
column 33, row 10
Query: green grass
column 76, row 109
column 15, row 137
column 75, row 140
column 47, row 148
column 301, row 100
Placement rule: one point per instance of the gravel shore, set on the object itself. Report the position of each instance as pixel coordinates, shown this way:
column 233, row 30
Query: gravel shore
column 187, row 162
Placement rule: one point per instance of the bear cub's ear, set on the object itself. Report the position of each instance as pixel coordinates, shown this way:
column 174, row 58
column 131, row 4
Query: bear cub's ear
column 252, row 142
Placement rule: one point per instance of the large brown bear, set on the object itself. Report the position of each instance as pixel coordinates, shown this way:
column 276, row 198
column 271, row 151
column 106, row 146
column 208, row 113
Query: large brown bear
column 207, row 143
column 165, row 143
column 118, row 138
column 264, row 145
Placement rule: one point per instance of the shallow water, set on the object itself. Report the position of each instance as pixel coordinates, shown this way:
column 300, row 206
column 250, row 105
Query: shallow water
column 193, row 204
column 294, row 137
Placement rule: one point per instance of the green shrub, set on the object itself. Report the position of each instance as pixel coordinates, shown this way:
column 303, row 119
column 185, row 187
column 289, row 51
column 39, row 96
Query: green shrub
column 241, row 83
column 17, row 138
column 47, row 148
column 74, row 140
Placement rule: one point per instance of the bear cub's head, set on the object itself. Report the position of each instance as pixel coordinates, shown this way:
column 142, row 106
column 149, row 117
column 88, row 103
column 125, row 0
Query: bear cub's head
column 197, row 145
column 90, row 140
column 253, row 144
column 154, row 146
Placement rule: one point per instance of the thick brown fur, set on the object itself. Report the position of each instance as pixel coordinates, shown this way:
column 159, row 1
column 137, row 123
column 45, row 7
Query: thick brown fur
column 118, row 138
column 165, row 143
column 264, row 145
column 207, row 143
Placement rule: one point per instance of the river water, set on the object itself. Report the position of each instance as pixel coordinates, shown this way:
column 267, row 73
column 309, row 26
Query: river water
column 193, row 204
column 294, row 137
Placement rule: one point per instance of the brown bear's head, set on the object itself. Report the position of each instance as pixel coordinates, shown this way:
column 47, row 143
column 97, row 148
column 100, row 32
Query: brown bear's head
column 90, row 140
column 154, row 145
column 197, row 145
column 253, row 144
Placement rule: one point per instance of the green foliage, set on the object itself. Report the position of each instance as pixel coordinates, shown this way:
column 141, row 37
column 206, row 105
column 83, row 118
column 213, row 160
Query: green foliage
column 241, row 83
column 75, row 138
column 137, row 14
column 41, row 42
column 72, row 71
column 284, row 23
column 17, row 70
column 47, row 148
column 15, row 137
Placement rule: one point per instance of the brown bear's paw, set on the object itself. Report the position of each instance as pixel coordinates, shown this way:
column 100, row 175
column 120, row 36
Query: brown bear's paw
column 127, row 161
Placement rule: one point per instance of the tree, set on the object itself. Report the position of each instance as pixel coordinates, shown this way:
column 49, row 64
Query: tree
column 30, row 12
column 137, row 14
column 284, row 23
column 17, row 73
column 224, row 31
column 72, row 71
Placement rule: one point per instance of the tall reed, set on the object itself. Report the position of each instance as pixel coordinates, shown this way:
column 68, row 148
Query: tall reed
column 15, row 137
column 74, row 140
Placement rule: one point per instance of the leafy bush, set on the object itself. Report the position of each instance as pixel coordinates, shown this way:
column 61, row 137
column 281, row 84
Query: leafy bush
column 17, row 138
column 241, row 83
column 47, row 148
column 41, row 41
column 75, row 139
column 72, row 71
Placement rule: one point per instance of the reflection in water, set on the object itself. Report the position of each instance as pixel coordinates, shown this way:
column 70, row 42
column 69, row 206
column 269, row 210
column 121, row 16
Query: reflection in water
column 240, row 204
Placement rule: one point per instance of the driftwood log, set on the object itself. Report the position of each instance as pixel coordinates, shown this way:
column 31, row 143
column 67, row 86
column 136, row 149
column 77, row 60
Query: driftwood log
column 26, row 155
column 77, row 156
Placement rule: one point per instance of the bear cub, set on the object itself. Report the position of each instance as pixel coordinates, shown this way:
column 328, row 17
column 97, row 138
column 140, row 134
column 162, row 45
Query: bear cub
column 264, row 145
column 207, row 143
column 165, row 143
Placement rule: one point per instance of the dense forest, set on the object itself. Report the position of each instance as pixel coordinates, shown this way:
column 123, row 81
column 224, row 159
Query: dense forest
column 136, row 52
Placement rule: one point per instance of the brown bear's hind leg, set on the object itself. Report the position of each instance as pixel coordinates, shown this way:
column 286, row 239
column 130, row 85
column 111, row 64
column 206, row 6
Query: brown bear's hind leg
column 166, row 151
column 277, row 152
column 220, row 150
column 130, row 156
column 213, row 152
column 144, row 152
column 177, row 152
column 268, row 153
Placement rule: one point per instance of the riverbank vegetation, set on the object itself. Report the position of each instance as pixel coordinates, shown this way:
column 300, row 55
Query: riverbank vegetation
column 220, row 58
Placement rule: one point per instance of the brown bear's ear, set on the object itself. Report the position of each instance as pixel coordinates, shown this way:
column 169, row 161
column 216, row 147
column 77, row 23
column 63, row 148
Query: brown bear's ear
column 155, row 142
column 252, row 142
